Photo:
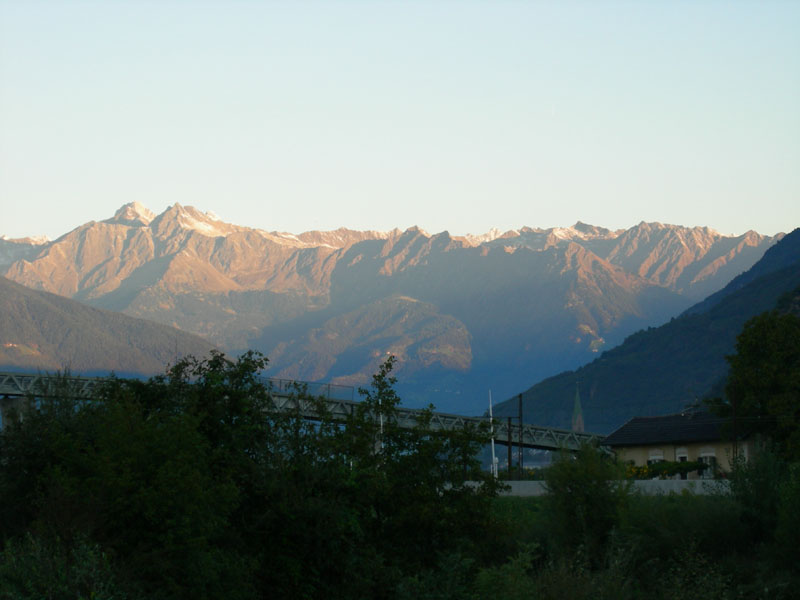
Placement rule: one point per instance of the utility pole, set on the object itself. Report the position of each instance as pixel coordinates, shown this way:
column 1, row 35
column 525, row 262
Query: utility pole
column 520, row 436
column 510, row 444
column 735, row 433
column 491, row 428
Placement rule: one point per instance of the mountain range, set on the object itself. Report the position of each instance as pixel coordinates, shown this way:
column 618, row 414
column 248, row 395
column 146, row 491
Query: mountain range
column 462, row 313
column 666, row 369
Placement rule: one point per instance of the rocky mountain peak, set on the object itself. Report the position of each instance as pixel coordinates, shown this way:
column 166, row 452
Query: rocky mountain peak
column 133, row 214
column 340, row 238
column 587, row 230
column 416, row 230
column 489, row 236
column 188, row 218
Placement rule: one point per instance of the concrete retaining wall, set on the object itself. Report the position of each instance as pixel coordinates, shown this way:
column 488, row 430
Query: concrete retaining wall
column 649, row 487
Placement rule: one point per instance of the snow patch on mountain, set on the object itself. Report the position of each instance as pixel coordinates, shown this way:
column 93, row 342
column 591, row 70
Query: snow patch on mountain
column 342, row 237
column 205, row 223
column 12, row 250
column 36, row 240
column 564, row 233
column 188, row 221
column 133, row 213
column 489, row 236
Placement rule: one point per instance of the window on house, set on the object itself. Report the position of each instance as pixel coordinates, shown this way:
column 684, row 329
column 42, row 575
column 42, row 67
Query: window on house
column 711, row 468
column 655, row 456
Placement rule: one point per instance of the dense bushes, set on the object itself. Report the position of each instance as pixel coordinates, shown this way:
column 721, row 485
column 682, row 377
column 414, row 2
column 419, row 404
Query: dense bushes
column 192, row 486
column 591, row 538
column 586, row 494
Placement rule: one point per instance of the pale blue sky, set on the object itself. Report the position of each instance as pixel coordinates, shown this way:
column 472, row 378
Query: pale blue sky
column 456, row 116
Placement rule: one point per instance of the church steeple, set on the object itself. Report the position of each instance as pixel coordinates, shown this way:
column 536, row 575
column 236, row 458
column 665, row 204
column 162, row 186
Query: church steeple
column 577, row 412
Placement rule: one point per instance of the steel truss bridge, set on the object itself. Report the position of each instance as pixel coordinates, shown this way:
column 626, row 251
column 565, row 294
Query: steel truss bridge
column 288, row 395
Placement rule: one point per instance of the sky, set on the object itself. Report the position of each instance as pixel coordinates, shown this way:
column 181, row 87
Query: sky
column 457, row 116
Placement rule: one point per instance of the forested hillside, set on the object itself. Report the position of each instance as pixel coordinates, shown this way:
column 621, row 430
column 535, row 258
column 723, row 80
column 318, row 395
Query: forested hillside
column 665, row 369
column 42, row 331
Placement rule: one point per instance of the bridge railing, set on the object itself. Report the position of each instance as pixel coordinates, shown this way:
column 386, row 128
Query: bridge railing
column 340, row 403
column 23, row 384
column 329, row 391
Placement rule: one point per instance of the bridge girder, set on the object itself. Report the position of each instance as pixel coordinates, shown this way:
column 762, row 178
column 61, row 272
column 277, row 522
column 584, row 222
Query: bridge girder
column 286, row 397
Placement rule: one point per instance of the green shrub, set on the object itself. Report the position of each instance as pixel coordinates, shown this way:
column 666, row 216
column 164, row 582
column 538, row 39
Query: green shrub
column 33, row 568
column 520, row 521
column 658, row 526
column 787, row 530
column 690, row 575
column 668, row 468
column 755, row 485
column 586, row 493
column 513, row 580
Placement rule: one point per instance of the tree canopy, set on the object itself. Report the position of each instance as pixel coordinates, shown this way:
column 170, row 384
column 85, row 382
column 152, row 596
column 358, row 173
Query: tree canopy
column 763, row 388
column 192, row 485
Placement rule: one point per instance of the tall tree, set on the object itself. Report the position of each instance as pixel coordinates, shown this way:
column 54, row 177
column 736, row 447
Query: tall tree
column 763, row 388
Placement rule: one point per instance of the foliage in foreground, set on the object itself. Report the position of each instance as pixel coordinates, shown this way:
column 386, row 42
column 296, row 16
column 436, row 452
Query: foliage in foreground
column 586, row 495
column 191, row 485
column 762, row 393
column 677, row 546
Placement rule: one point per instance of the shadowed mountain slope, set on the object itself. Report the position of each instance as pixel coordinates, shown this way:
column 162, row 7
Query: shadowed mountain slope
column 43, row 331
column 662, row 370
